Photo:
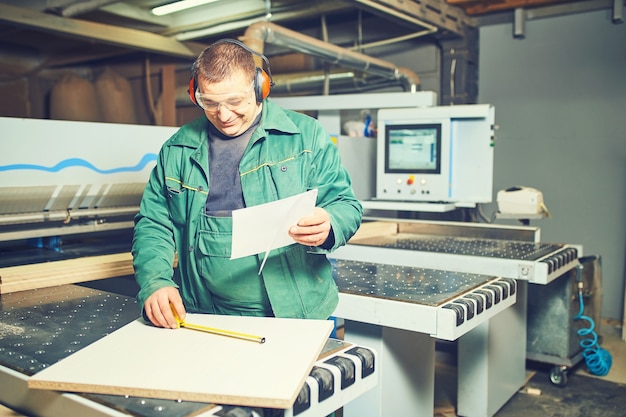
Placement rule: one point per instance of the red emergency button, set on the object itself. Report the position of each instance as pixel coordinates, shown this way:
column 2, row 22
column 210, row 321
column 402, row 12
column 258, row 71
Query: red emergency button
column 410, row 180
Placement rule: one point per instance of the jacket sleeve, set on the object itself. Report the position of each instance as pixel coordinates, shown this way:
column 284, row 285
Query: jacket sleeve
column 335, row 193
column 153, row 245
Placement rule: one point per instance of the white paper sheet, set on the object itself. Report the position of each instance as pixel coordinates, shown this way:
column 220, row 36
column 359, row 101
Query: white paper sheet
column 265, row 227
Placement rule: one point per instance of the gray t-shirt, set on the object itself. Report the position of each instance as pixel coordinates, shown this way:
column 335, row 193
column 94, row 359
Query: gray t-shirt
column 225, row 153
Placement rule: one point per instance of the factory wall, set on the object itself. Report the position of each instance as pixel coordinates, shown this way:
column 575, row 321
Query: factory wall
column 560, row 99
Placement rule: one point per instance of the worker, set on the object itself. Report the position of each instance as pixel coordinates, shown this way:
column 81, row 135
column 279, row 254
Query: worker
column 243, row 151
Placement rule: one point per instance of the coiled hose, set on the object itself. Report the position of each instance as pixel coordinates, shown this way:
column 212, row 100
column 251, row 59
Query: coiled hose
column 597, row 359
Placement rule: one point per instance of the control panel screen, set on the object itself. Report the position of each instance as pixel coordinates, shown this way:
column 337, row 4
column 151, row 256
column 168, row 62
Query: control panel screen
column 413, row 148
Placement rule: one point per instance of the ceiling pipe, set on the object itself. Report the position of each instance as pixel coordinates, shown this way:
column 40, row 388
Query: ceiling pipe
column 338, row 80
column 311, row 83
column 259, row 33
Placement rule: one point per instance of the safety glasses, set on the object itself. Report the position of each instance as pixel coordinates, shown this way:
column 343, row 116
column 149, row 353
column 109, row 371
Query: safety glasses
column 232, row 101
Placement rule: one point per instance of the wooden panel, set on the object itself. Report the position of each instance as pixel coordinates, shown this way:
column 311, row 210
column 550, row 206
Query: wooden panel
column 14, row 100
column 95, row 32
column 374, row 229
column 168, row 95
column 145, row 361
column 70, row 271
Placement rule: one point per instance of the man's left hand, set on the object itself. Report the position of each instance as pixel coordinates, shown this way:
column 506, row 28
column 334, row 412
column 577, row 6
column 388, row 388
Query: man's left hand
column 312, row 230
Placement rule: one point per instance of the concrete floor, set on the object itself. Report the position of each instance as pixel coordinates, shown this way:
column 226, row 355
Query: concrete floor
column 584, row 395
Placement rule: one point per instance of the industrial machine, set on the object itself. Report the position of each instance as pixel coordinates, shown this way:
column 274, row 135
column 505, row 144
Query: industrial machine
column 429, row 158
column 448, row 249
column 64, row 177
column 403, row 283
column 41, row 327
column 70, row 189
column 69, row 192
column 401, row 309
column 436, row 154
column 465, row 247
column 425, row 157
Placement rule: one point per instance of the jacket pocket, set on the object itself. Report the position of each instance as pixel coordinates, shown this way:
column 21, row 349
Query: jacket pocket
column 213, row 253
column 214, row 244
column 177, row 204
column 290, row 177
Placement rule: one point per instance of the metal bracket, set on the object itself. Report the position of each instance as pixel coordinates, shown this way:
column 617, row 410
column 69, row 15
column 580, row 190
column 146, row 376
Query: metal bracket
column 526, row 272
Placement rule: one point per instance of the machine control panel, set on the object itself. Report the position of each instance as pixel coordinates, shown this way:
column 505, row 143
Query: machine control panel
column 411, row 186
column 435, row 154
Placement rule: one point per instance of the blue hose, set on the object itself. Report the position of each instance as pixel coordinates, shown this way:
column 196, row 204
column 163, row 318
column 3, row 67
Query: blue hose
column 598, row 359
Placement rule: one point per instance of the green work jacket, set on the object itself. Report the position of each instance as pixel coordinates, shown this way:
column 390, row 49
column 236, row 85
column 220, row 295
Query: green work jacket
column 289, row 153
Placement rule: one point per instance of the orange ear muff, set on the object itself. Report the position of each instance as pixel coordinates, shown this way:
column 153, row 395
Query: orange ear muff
column 265, row 85
column 192, row 91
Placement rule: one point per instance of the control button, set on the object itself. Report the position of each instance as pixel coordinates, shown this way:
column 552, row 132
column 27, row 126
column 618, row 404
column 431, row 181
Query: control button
column 410, row 180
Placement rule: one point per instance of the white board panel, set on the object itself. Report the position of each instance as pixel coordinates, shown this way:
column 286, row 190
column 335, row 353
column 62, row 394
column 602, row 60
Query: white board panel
column 184, row 364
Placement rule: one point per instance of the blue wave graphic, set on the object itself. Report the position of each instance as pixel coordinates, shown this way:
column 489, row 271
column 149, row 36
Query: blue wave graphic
column 78, row 162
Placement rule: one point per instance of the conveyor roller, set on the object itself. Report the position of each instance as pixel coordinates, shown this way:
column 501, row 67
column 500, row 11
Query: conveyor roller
column 456, row 301
column 531, row 261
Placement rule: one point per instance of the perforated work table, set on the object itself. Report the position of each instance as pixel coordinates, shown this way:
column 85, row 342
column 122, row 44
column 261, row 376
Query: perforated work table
column 40, row 327
column 491, row 359
column 400, row 311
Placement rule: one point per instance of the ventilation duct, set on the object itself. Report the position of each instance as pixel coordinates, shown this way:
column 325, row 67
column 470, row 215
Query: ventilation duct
column 260, row 33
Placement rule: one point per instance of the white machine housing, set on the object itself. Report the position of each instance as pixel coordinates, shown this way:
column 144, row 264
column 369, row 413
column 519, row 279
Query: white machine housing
column 56, row 174
column 520, row 200
column 436, row 154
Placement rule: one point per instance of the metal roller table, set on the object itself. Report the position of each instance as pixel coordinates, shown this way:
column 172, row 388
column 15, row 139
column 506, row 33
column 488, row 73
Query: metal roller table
column 40, row 327
column 400, row 311
column 409, row 245
column 491, row 357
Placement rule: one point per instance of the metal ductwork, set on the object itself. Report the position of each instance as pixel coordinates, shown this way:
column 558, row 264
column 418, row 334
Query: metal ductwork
column 259, row 33
column 307, row 83
column 340, row 82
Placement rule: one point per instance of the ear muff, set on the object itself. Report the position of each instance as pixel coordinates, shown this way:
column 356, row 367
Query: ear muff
column 192, row 90
column 193, row 85
column 262, row 85
column 263, row 82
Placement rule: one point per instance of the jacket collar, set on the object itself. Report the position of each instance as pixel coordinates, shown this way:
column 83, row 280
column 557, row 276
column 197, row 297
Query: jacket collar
column 191, row 134
column 275, row 118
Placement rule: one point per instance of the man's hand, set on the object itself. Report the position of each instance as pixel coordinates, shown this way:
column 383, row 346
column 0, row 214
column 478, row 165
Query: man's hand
column 158, row 310
column 312, row 230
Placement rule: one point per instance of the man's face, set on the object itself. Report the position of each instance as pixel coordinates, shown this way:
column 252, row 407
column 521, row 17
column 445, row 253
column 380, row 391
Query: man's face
column 230, row 105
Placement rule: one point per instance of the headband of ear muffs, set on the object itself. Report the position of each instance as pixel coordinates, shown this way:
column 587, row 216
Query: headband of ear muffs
column 262, row 80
